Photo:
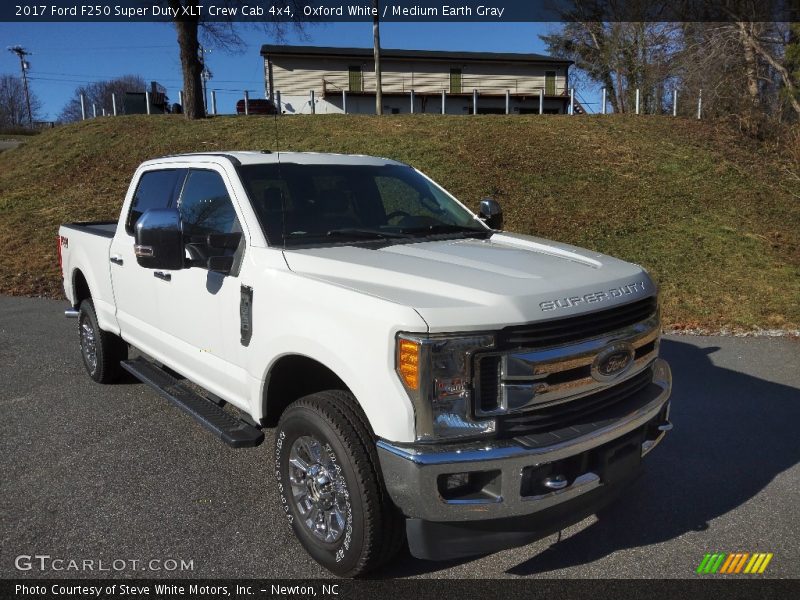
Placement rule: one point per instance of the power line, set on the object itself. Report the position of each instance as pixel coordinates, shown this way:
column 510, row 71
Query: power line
column 53, row 81
column 83, row 49
column 97, row 77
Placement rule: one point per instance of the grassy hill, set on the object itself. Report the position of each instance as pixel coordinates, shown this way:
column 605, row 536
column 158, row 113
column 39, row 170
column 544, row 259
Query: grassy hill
column 714, row 217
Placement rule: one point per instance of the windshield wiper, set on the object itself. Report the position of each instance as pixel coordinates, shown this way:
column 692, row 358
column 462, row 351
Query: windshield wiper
column 365, row 233
column 443, row 228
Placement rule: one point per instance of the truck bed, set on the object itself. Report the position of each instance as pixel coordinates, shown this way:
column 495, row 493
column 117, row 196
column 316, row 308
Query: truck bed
column 102, row 228
column 85, row 248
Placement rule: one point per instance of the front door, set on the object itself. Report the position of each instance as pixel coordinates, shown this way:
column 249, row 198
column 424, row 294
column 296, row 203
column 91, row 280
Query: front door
column 200, row 307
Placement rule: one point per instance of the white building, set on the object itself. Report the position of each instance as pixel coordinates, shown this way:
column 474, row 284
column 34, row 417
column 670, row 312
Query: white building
column 343, row 79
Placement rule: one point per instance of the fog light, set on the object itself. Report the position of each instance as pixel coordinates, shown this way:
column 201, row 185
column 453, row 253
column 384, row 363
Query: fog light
column 456, row 480
column 474, row 486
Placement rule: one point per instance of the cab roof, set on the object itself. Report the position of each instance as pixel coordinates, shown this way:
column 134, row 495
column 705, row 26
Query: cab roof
column 255, row 157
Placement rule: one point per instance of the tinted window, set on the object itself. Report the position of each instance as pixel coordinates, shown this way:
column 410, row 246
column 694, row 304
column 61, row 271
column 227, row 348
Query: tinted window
column 319, row 203
column 398, row 197
column 205, row 205
column 156, row 189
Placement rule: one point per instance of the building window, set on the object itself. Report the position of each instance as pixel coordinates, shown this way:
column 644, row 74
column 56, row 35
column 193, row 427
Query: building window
column 356, row 80
column 455, row 81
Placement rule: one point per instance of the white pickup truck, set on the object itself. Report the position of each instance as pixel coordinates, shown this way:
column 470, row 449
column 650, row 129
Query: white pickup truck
column 430, row 377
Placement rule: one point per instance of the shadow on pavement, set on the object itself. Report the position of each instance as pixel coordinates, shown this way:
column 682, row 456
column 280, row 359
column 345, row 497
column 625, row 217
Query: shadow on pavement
column 733, row 434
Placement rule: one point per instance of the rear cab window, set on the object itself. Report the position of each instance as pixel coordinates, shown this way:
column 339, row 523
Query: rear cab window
column 156, row 189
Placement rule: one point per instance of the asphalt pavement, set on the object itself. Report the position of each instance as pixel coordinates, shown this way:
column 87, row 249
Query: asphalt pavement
column 9, row 144
column 115, row 473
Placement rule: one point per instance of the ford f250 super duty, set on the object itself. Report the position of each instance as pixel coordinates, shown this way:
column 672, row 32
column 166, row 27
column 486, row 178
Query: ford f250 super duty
column 430, row 377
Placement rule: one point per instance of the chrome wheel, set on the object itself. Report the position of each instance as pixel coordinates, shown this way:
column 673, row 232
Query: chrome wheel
column 318, row 488
column 88, row 344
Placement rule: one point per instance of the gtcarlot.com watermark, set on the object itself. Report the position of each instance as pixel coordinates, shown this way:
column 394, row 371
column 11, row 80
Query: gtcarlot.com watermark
column 45, row 562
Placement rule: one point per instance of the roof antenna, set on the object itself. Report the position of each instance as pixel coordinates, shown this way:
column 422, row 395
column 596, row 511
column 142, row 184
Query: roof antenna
column 280, row 177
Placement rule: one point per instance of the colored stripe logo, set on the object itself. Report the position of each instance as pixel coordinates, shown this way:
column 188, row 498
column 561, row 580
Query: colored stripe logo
column 737, row 562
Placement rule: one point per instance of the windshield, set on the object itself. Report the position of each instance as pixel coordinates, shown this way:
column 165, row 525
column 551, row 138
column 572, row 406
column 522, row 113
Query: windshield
column 310, row 204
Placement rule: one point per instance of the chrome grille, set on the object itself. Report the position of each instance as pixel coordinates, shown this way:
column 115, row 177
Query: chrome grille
column 538, row 378
column 565, row 419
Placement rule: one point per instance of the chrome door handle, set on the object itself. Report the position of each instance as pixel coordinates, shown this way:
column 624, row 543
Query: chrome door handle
column 162, row 275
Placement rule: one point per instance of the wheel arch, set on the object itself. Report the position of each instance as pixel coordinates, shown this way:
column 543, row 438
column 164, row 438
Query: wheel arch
column 293, row 376
column 80, row 288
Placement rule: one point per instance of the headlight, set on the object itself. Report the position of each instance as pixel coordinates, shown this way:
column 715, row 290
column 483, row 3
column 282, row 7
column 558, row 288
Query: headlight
column 436, row 373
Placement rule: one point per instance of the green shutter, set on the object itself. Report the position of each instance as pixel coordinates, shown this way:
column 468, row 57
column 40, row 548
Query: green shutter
column 356, row 80
column 550, row 83
column 455, row 81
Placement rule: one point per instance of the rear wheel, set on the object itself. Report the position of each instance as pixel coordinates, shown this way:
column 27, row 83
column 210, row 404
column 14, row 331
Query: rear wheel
column 330, row 485
column 101, row 351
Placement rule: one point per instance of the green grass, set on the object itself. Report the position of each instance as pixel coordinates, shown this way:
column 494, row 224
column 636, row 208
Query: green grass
column 714, row 217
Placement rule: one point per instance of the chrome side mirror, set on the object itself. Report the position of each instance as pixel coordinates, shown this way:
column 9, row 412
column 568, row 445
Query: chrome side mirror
column 491, row 213
column 159, row 239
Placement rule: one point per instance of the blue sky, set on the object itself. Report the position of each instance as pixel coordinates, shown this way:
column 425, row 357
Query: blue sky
column 66, row 55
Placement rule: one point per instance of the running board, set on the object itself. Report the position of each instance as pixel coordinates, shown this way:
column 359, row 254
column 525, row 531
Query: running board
column 234, row 432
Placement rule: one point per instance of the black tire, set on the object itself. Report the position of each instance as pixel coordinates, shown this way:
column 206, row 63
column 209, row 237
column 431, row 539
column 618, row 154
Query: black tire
column 375, row 528
column 108, row 349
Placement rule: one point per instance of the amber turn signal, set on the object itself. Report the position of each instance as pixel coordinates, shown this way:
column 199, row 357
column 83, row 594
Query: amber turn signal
column 408, row 363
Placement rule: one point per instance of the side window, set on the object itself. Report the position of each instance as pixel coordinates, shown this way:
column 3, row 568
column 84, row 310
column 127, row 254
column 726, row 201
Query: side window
column 156, row 189
column 205, row 205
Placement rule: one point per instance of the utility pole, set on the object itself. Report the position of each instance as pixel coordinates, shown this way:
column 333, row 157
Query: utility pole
column 24, row 65
column 376, row 49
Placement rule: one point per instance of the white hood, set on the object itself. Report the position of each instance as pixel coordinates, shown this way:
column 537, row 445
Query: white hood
column 469, row 284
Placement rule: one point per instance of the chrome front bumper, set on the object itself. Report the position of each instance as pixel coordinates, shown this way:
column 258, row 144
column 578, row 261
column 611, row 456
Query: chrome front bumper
column 412, row 472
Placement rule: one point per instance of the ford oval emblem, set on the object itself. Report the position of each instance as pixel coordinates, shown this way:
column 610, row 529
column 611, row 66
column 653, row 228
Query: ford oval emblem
column 612, row 361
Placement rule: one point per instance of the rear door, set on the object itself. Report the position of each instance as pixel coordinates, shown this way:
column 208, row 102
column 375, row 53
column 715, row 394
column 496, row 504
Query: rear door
column 134, row 286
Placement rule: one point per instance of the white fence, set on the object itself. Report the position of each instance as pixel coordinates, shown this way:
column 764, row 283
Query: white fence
column 573, row 107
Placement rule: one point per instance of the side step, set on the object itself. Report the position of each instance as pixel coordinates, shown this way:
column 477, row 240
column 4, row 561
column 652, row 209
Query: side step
column 229, row 429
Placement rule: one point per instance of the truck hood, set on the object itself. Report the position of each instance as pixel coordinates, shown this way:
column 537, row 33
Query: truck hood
column 469, row 284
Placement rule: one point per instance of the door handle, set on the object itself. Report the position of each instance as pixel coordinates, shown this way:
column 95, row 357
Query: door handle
column 116, row 259
column 162, row 275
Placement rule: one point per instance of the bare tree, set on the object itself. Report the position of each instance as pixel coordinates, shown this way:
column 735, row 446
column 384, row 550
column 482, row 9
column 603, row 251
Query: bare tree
column 791, row 58
column 743, row 67
column 769, row 41
column 189, row 26
column 100, row 93
column 622, row 57
column 13, row 107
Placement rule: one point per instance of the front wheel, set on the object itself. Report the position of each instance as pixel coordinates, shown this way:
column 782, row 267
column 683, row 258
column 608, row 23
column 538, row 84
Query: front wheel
column 330, row 485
